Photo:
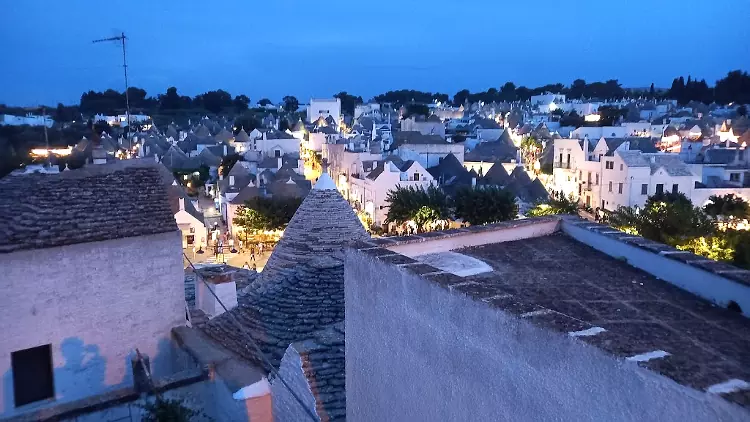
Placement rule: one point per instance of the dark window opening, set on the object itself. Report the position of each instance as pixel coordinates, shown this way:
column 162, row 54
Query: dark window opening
column 644, row 189
column 659, row 188
column 32, row 375
column 675, row 188
column 277, row 153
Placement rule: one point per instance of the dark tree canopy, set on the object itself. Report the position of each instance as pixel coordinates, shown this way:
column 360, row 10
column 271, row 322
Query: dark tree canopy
column 241, row 103
column 348, row 102
column 264, row 102
column 484, row 205
column 291, row 104
column 266, row 213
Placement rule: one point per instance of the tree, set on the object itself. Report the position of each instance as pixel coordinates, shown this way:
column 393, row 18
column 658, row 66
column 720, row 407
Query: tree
column 291, row 104
column 283, row 124
column 170, row 100
column 557, row 203
column 530, row 150
column 728, row 209
column 460, row 97
column 610, row 115
column 241, row 103
column 484, row 205
column 247, row 121
column 652, row 91
column 348, row 102
column 667, row 218
column 264, row 102
column 266, row 213
column 417, row 109
column 227, row 163
column 214, row 101
column 508, row 92
column 422, row 206
column 735, row 87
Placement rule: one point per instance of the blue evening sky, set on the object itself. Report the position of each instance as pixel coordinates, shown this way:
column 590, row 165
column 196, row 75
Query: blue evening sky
column 312, row 48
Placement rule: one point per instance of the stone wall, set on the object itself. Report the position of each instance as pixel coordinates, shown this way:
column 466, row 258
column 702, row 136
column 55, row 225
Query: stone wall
column 94, row 303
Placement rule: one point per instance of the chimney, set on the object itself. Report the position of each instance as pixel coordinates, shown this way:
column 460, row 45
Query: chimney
column 221, row 176
column 220, row 279
column 473, row 181
column 231, row 180
column 653, row 159
column 225, row 150
column 279, row 162
column 182, row 203
column 585, row 148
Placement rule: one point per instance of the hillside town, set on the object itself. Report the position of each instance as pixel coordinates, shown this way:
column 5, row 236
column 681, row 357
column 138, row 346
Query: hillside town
column 399, row 262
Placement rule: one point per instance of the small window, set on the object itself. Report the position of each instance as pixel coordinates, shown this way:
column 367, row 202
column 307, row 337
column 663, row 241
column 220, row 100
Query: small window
column 610, row 165
column 659, row 188
column 610, row 186
column 621, row 167
column 277, row 153
column 734, row 177
column 644, row 189
column 597, row 179
column 675, row 188
column 619, row 188
column 32, row 375
column 416, row 177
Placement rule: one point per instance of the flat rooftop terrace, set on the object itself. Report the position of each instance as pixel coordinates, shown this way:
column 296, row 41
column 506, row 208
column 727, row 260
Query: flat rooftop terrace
column 546, row 272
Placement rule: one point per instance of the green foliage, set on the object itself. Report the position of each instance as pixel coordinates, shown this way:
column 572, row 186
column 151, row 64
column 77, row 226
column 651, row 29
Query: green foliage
column 718, row 248
column 485, row 205
column 422, row 206
column 241, row 103
column 558, row 203
column 227, row 163
column 667, row 218
column 247, row 121
column 266, row 213
column 168, row 410
column 407, row 96
column 264, row 102
column 291, row 104
column 348, row 102
column 417, row 109
column 727, row 207
column 530, row 149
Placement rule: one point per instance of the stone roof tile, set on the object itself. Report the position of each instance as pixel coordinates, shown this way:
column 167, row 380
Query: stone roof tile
column 86, row 205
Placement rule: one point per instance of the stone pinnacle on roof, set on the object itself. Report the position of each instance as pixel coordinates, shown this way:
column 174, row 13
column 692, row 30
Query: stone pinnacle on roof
column 318, row 231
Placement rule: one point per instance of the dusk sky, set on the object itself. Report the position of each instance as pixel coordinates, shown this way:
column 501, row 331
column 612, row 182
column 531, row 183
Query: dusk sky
column 304, row 48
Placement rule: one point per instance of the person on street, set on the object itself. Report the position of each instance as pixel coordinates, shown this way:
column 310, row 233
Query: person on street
column 246, row 266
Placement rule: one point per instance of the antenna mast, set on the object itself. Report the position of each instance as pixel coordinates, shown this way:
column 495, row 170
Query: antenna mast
column 121, row 38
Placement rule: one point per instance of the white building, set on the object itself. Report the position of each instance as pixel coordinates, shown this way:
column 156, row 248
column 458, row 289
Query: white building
column 547, row 102
column 369, row 109
column 77, row 302
column 29, row 119
column 426, row 126
column 609, row 176
column 368, row 192
column 274, row 143
column 323, row 108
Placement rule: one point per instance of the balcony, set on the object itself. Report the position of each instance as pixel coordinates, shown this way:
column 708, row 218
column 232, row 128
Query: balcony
column 559, row 165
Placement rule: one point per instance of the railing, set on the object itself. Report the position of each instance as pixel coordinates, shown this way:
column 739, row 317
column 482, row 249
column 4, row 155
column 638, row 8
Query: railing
column 559, row 165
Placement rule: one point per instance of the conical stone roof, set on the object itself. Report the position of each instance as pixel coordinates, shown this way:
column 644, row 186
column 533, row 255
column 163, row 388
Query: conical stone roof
column 301, row 289
column 319, row 230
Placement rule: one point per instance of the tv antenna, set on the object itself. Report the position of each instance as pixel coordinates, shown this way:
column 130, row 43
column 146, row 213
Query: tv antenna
column 121, row 39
